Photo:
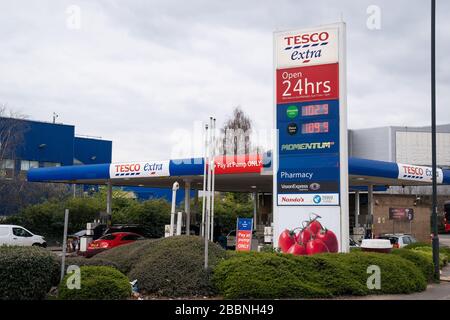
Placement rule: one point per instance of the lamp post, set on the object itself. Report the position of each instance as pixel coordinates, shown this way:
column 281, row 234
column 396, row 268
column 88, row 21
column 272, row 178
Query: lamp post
column 435, row 240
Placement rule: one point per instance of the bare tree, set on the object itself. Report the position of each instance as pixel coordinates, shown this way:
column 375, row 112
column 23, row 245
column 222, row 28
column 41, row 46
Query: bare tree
column 236, row 134
column 12, row 132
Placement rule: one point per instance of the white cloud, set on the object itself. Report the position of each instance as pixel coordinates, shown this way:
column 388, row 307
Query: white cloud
column 137, row 71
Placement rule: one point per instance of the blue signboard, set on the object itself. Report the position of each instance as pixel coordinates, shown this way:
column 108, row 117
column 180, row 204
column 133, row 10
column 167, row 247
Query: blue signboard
column 308, row 150
column 244, row 224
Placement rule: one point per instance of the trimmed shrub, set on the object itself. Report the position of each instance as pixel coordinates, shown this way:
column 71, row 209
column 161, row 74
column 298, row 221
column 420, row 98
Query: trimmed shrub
column 423, row 261
column 270, row 275
column 444, row 252
column 174, row 267
column 97, row 283
column 126, row 256
column 417, row 244
column 27, row 273
column 81, row 262
column 428, row 251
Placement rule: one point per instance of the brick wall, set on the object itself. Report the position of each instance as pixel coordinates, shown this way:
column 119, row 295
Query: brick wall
column 419, row 227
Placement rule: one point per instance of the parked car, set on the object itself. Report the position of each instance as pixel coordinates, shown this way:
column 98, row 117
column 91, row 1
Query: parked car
column 399, row 240
column 111, row 240
column 99, row 231
column 13, row 235
column 353, row 243
column 133, row 228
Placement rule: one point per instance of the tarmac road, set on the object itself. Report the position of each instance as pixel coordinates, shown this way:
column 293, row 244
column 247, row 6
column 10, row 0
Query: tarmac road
column 444, row 239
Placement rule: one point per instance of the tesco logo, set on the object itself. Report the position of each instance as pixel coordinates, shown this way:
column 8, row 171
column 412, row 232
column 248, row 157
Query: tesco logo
column 133, row 167
column 307, row 38
column 417, row 171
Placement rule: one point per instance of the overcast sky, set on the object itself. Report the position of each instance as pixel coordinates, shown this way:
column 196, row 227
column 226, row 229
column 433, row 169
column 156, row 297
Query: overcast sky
column 140, row 73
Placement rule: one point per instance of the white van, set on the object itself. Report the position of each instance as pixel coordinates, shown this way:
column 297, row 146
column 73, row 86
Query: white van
column 13, row 235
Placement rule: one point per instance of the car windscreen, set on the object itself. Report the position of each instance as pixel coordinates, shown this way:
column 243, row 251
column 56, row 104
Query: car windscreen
column 132, row 237
column 108, row 237
column 133, row 229
column 393, row 240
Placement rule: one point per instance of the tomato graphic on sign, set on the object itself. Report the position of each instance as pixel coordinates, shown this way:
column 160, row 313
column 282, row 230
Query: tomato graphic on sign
column 310, row 239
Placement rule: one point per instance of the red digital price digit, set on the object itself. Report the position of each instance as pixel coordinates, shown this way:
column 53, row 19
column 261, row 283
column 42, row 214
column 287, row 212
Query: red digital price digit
column 315, row 127
column 315, row 110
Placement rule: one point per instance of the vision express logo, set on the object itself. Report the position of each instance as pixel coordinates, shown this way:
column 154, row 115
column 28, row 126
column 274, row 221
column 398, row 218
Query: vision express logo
column 307, row 146
column 286, row 187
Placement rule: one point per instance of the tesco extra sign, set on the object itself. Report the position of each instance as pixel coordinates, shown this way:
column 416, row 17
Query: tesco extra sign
column 418, row 173
column 139, row 169
column 307, row 38
column 129, row 167
column 317, row 46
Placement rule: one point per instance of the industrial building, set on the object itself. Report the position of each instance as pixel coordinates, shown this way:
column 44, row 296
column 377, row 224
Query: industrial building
column 36, row 144
column 401, row 145
column 39, row 144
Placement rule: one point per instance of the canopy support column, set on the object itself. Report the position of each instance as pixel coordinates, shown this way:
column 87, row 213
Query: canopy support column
column 255, row 207
column 370, row 208
column 109, row 202
column 357, row 209
column 187, row 205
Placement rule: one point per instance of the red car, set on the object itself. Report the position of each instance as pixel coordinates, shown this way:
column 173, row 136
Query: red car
column 111, row 240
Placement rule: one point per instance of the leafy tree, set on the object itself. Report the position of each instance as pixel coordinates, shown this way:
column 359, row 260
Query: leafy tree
column 152, row 215
column 228, row 206
column 47, row 218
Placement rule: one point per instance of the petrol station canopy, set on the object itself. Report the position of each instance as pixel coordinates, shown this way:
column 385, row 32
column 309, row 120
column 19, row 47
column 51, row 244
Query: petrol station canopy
column 244, row 173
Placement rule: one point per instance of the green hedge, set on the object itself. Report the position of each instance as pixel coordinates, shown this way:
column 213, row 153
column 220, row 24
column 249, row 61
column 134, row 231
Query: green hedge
column 417, row 244
column 174, row 267
column 425, row 248
column 423, row 261
column 270, row 275
column 442, row 249
column 81, row 262
column 27, row 273
column 166, row 267
column 428, row 252
column 97, row 283
column 126, row 256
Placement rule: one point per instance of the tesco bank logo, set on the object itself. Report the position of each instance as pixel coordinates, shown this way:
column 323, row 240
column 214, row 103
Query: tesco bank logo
column 306, row 46
column 317, row 199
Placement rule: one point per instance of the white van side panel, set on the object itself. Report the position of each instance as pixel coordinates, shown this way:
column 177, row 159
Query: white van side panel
column 5, row 235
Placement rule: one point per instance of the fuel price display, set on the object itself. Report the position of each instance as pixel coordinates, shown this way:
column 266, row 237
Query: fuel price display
column 315, row 127
column 315, row 110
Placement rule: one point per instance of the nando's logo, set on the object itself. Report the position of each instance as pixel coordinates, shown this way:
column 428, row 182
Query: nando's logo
column 306, row 46
column 307, row 146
